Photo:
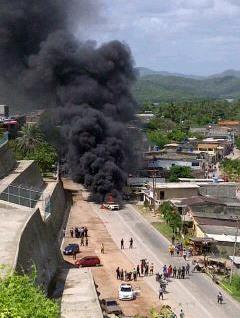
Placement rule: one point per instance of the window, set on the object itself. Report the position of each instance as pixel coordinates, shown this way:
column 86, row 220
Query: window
column 195, row 164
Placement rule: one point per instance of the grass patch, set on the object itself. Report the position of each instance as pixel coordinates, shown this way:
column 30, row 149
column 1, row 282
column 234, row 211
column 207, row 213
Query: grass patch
column 234, row 288
column 164, row 229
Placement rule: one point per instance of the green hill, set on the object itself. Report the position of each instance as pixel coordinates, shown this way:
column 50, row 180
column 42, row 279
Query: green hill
column 157, row 88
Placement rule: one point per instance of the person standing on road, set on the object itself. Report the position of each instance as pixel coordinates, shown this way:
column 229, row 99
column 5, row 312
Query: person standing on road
column 160, row 295
column 71, row 232
column 187, row 269
column 118, row 273
column 142, row 268
column 74, row 255
column 86, row 241
column 183, row 272
column 131, row 243
column 122, row 244
column 170, row 270
column 181, row 315
column 82, row 241
column 184, row 254
column 220, row 298
column 179, row 272
column 151, row 269
column 146, row 269
column 122, row 274
column 138, row 271
column 174, row 272
column 134, row 274
column 102, row 248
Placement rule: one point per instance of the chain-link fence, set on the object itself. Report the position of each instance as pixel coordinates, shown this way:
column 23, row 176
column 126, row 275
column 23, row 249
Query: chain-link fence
column 4, row 138
column 26, row 196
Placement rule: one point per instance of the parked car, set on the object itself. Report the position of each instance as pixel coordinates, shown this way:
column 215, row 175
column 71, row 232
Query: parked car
column 88, row 261
column 126, row 292
column 110, row 306
column 71, row 249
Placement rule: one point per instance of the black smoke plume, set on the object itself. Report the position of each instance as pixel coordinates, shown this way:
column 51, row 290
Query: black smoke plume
column 88, row 86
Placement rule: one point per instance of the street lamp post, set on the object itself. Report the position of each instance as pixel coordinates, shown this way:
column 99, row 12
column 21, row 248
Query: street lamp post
column 234, row 250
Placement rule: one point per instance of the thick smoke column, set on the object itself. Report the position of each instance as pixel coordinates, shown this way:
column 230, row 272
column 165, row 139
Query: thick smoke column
column 89, row 85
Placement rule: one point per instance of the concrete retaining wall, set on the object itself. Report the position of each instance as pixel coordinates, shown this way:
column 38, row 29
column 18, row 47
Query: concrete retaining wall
column 38, row 243
column 7, row 160
column 30, row 177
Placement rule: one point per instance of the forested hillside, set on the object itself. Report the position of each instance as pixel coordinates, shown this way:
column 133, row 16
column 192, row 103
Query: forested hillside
column 157, row 88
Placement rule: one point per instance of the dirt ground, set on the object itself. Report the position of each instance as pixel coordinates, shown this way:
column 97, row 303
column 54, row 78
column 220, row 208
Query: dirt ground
column 82, row 214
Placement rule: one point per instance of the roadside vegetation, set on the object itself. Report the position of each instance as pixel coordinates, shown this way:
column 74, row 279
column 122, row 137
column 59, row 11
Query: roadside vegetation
column 32, row 145
column 231, row 168
column 20, row 298
column 234, row 287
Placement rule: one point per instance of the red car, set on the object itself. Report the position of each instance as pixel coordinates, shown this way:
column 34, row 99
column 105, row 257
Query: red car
column 88, row 261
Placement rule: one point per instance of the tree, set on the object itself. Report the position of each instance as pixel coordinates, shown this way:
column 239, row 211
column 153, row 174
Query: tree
column 30, row 138
column 21, row 298
column 177, row 172
column 158, row 138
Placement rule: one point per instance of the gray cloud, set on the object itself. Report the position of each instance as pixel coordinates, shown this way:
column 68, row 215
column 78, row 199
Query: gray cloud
column 191, row 36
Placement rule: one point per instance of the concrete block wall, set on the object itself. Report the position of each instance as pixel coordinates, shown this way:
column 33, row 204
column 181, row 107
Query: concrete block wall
column 7, row 160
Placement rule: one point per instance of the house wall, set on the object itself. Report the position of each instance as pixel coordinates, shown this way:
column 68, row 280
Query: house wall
column 167, row 164
column 177, row 193
column 219, row 190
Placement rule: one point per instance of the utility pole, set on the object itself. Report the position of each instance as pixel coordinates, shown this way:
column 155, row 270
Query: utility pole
column 234, row 250
column 154, row 190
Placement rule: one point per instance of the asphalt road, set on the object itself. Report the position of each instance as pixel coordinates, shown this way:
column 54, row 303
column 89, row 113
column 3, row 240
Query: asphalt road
column 196, row 295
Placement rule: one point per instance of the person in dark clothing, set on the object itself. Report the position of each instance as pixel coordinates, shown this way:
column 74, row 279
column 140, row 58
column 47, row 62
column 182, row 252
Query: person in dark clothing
column 174, row 272
column 71, row 232
column 131, row 243
column 183, row 272
column 118, row 273
column 74, row 255
column 122, row 244
column 179, row 272
column 82, row 241
column 121, row 274
column 187, row 269
column 86, row 241
column 134, row 274
column 76, row 232
column 142, row 268
column 86, row 232
column 146, row 270
column 220, row 298
column 138, row 271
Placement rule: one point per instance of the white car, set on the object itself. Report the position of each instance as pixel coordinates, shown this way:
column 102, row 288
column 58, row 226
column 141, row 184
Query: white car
column 113, row 207
column 126, row 292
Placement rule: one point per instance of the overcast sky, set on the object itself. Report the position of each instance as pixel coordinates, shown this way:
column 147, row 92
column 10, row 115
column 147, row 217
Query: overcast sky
column 187, row 36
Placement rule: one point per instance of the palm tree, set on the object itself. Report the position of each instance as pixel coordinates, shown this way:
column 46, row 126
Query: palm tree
column 30, row 138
